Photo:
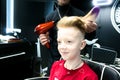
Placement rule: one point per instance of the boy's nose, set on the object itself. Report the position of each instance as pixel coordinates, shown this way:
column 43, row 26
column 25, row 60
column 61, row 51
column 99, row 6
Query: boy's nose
column 63, row 45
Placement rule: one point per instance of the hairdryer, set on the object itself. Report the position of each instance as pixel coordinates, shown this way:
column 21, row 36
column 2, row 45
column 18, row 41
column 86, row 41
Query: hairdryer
column 43, row 28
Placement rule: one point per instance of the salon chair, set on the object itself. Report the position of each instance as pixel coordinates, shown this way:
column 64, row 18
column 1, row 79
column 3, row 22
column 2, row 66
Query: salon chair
column 104, row 72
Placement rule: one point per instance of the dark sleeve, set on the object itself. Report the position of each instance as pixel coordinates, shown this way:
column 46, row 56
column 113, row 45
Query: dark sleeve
column 76, row 12
column 48, row 17
column 52, row 17
column 79, row 12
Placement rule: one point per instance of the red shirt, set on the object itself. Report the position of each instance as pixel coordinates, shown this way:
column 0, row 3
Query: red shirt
column 59, row 72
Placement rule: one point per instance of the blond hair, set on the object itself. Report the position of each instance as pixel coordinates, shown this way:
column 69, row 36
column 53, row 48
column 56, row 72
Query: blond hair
column 73, row 21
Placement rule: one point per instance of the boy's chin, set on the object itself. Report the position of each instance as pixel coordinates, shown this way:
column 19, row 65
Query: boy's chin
column 64, row 58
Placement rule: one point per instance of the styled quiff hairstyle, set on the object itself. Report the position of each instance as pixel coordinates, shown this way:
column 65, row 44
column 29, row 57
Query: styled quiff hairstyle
column 72, row 21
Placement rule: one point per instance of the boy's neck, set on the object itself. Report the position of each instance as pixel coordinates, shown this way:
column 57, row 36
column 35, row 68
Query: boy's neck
column 72, row 65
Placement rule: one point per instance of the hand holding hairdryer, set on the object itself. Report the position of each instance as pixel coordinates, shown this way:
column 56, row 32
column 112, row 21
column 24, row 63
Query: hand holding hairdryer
column 43, row 28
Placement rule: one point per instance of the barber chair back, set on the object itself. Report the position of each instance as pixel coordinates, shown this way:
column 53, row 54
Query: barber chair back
column 111, row 74
column 103, row 71
column 97, row 68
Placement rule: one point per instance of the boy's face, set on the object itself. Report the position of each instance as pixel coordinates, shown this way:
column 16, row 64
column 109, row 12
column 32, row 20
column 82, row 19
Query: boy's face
column 69, row 42
column 63, row 2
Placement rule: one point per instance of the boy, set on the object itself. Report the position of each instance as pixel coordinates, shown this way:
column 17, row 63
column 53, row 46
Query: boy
column 70, row 39
column 63, row 8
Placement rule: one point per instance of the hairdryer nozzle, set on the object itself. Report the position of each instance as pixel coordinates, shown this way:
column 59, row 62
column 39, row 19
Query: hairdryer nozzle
column 44, row 27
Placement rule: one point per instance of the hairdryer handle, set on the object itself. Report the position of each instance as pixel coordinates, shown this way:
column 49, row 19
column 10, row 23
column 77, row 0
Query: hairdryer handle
column 47, row 45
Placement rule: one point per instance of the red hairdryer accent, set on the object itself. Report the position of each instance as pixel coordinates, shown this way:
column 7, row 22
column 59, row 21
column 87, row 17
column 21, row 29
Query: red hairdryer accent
column 43, row 28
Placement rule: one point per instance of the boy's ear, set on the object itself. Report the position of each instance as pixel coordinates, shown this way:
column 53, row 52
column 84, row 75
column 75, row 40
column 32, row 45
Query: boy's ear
column 83, row 44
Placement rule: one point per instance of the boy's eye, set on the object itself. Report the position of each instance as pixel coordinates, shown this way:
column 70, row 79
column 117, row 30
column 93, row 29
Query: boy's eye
column 69, row 41
column 58, row 42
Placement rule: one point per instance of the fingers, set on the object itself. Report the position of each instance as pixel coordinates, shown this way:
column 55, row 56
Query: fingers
column 44, row 38
column 90, row 26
